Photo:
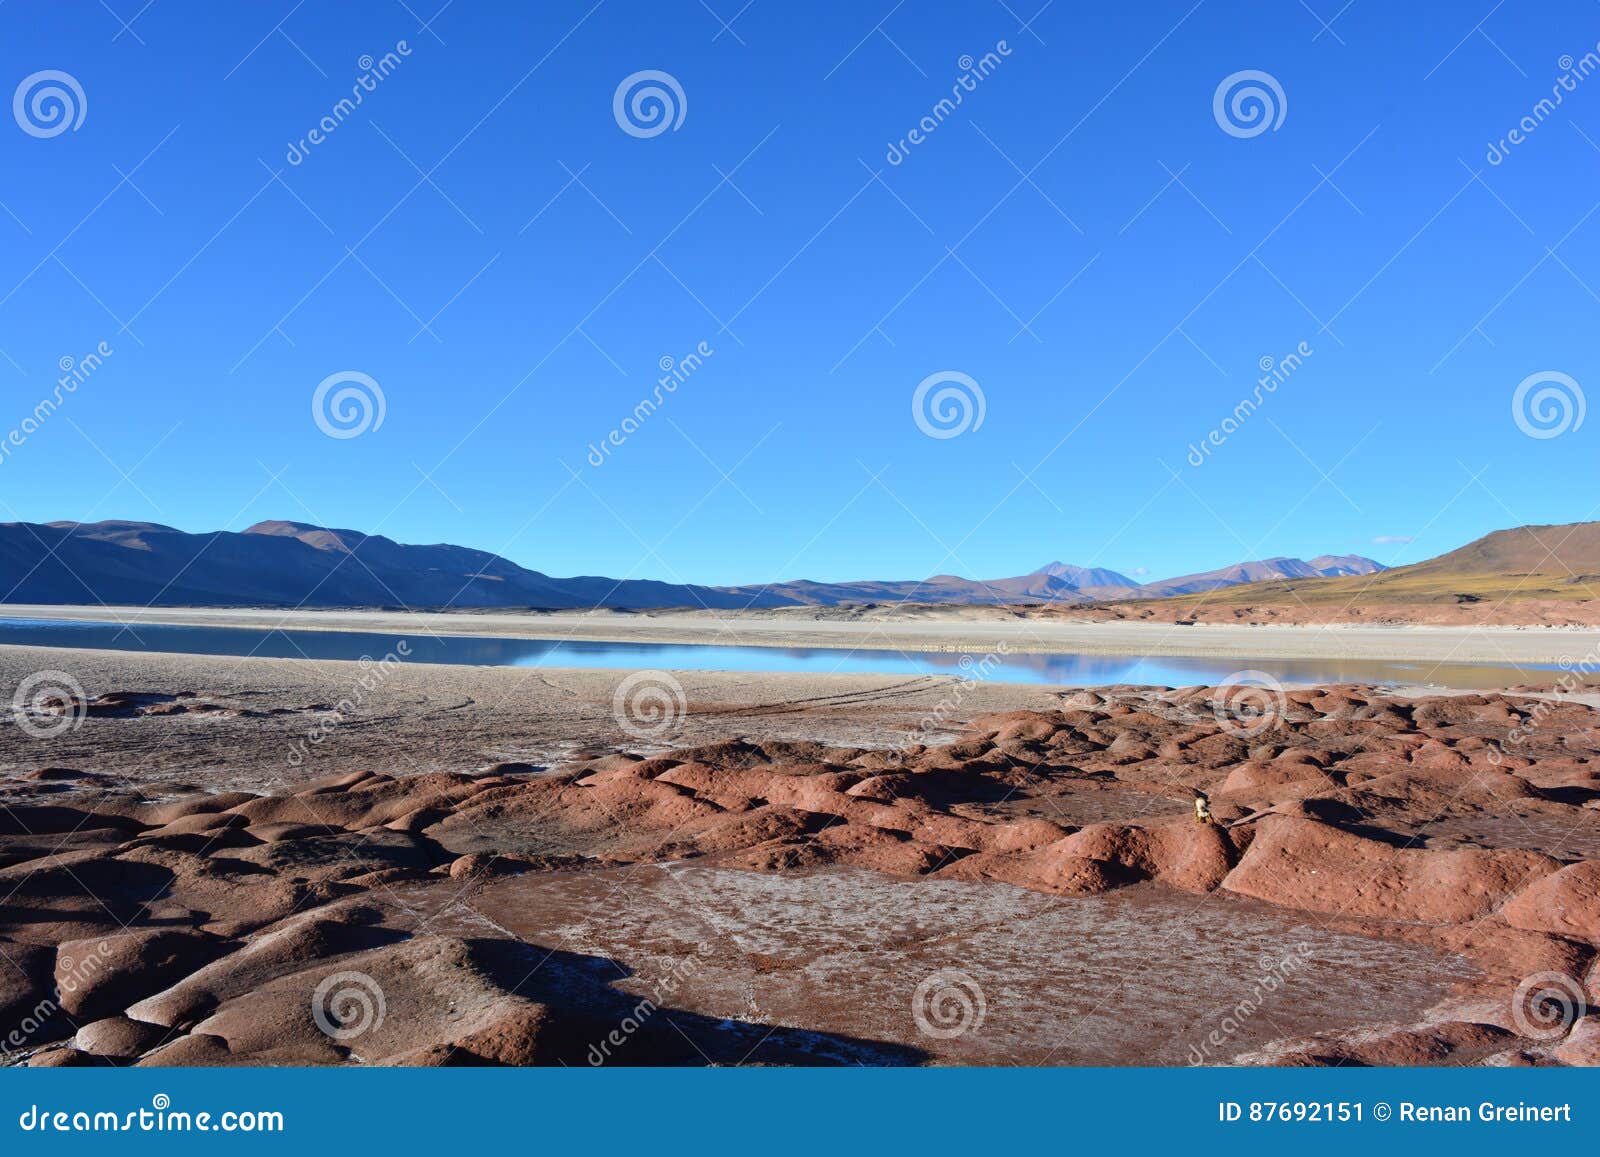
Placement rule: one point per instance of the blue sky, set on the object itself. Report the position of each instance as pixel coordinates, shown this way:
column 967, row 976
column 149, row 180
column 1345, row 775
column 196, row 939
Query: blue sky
column 1080, row 237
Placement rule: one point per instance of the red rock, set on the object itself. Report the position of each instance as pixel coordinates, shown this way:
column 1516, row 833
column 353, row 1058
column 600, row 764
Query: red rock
column 26, row 988
column 192, row 1050
column 478, row 865
column 313, row 936
column 64, row 1057
column 118, row 1037
column 1581, row 1046
column 1304, row 864
column 1072, row 802
column 518, row 1035
column 1566, row 903
column 100, row 977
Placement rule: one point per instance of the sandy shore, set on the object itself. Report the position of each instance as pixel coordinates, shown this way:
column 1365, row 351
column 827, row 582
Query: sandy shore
column 415, row 718
column 972, row 630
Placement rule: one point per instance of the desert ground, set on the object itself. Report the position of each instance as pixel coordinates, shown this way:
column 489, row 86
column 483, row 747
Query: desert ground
column 260, row 861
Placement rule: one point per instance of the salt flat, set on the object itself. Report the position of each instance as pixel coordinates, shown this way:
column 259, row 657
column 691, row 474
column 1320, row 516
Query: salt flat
column 970, row 630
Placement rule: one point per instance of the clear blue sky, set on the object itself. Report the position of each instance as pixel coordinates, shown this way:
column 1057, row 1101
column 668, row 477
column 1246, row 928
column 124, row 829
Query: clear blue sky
column 514, row 305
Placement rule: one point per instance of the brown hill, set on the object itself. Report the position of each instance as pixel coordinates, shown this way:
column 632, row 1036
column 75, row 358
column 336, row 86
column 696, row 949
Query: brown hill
column 1562, row 552
column 1549, row 564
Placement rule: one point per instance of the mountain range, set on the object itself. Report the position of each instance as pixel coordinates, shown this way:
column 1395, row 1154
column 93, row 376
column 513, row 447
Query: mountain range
column 295, row 564
column 1558, row 563
column 1060, row 582
column 279, row 563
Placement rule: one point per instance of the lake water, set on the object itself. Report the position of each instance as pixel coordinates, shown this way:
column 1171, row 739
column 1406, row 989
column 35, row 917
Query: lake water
column 483, row 651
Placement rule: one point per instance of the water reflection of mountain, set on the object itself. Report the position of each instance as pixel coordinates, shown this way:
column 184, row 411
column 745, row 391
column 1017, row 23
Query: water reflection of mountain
column 496, row 652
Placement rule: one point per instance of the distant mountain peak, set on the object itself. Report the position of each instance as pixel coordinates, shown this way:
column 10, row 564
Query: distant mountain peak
column 109, row 525
column 1346, row 564
column 319, row 537
column 281, row 526
column 1274, row 569
column 1085, row 576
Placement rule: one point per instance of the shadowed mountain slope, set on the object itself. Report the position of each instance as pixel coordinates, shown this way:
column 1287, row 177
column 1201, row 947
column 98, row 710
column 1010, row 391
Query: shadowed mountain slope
column 294, row 564
column 279, row 563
